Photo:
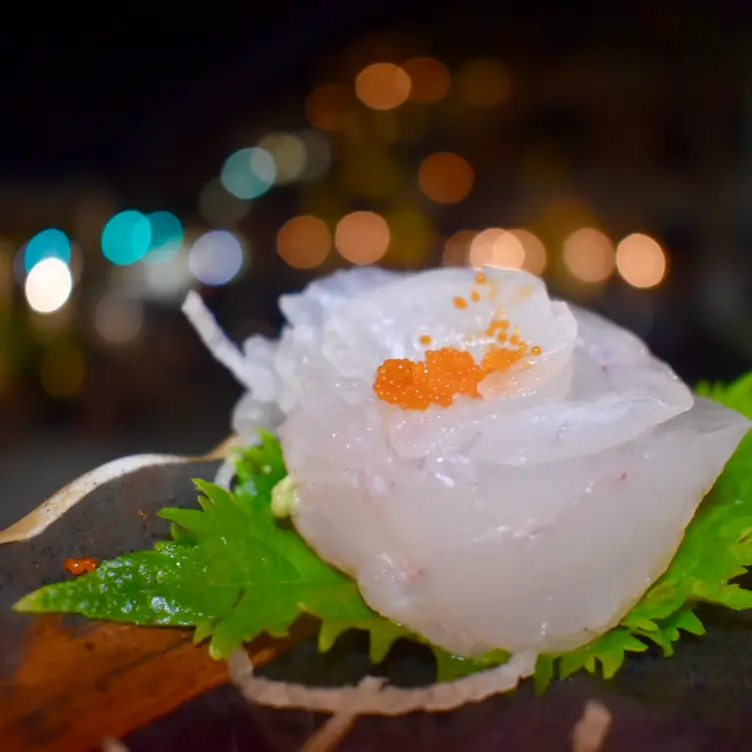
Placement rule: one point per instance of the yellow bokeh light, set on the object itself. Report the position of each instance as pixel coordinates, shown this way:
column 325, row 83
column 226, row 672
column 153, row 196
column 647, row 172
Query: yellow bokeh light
column 535, row 252
column 362, row 237
column 62, row 371
column 304, row 242
column 641, row 261
column 289, row 154
column 382, row 86
column 446, row 178
column 498, row 248
column 589, row 255
column 430, row 79
column 483, row 83
column 48, row 285
column 411, row 236
column 457, row 248
column 330, row 107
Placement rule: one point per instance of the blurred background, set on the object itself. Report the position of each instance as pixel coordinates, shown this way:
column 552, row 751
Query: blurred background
column 606, row 146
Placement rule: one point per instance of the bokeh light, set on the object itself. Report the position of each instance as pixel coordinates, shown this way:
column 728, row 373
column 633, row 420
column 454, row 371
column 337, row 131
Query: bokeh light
column 118, row 318
column 48, row 285
column 166, row 237
column 641, row 261
column 52, row 243
column 429, row 77
column 382, row 86
column 216, row 258
column 62, row 370
column 249, row 173
column 457, row 248
column 289, row 154
column 126, row 238
column 330, row 107
column 536, row 257
column 304, row 242
column 362, row 237
column 164, row 283
column 446, row 178
column 498, row 248
column 411, row 235
column 483, row 83
column 220, row 208
column 589, row 255
column 318, row 155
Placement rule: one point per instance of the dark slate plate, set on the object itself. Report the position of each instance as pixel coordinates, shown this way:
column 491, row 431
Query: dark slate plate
column 67, row 683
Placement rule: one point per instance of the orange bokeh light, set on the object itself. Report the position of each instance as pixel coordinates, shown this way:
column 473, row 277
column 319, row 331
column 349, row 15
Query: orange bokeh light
column 589, row 255
column 457, row 248
column 362, row 237
column 641, row 261
column 430, row 78
column 329, row 107
column 535, row 252
column 446, row 178
column 383, row 86
column 498, row 248
column 304, row 242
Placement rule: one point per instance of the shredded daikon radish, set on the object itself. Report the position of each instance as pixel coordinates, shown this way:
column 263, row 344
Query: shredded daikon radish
column 216, row 341
column 371, row 697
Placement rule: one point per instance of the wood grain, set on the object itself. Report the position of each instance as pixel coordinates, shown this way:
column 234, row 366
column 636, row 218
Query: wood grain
column 73, row 690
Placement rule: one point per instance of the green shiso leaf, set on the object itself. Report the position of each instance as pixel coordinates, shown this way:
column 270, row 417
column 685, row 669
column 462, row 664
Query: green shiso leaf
column 716, row 549
column 233, row 571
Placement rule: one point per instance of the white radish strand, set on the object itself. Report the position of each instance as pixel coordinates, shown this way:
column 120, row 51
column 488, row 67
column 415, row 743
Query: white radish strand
column 371, row 697
column 216, row 341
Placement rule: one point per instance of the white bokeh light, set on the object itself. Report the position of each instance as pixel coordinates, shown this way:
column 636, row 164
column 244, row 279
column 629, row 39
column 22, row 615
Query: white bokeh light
column 48, row 285
column 216, row 258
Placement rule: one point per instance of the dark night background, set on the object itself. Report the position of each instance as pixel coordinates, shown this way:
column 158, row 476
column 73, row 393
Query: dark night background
column 624, row 117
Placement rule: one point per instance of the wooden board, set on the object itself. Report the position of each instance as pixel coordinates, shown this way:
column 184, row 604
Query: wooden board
column 67, row 683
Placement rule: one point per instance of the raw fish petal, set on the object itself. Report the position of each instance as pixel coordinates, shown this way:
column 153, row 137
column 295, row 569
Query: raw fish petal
column 530, row 520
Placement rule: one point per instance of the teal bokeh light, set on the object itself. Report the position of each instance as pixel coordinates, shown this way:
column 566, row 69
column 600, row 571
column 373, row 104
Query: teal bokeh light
column 50, row 243
column 248, row 173
column 166, row 237
column 126, row 238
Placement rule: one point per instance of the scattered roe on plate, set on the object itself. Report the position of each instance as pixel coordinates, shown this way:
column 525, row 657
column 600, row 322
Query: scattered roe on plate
column 81, row 565
column 449, row 372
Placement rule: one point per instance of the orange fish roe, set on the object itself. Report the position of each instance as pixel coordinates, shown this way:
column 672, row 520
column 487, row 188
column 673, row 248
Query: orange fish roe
column 501, row 358
column 81, row 565
column 497, row 325
column 447, row 372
